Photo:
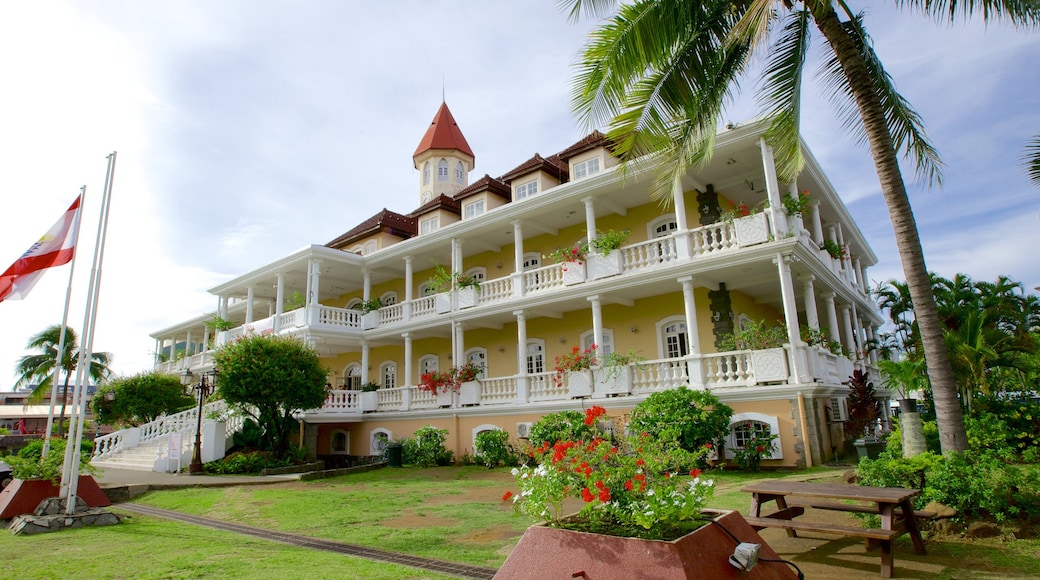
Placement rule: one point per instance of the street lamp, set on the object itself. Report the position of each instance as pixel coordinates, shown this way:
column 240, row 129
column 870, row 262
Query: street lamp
column 203, row 390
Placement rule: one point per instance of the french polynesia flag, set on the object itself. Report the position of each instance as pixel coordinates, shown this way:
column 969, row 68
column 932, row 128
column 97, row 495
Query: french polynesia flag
column 55, row 248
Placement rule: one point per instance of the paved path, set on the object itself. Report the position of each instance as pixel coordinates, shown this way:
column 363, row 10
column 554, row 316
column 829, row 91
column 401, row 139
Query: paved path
column 110, row 477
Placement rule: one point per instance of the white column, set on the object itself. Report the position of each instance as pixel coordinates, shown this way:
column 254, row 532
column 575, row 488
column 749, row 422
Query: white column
column 518, row 259
column 249, row 304
column 846, row 318
column 683, row 247
column 205, row 339
column 521, row 342
column 590, row 218
column 695, row 367
column 817, row 223
column 798, row 370
column 366, row 291
column 313, row 281
column 279, row 301
column 456, row 255
column 870, row 336
column 365, row 351
column 812, row 316
column 189, row 348
column 223, row 307
column 832, row 317
column 408, row 291
column 776, row 214
column 408, row 380
column 597, row 321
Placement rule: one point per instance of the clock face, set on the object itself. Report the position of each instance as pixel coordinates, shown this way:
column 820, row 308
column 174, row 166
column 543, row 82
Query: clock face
column 427, row 197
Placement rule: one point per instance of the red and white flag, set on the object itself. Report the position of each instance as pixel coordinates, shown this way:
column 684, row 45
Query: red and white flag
column 55, row 248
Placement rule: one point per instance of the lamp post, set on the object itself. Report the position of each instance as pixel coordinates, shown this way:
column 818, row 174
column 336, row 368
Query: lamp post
column 203, row 389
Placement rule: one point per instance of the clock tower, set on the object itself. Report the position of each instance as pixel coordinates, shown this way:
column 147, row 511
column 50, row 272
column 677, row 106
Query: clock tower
column 443, row 158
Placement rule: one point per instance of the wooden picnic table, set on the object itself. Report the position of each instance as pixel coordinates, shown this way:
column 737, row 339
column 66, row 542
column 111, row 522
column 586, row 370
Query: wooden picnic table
column 893, row 504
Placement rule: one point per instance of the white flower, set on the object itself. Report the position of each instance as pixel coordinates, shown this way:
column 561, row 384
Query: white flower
column 515, row 472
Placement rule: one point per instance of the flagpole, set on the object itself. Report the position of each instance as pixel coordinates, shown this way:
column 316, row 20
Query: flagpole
column 64, row 322
column 70, row 469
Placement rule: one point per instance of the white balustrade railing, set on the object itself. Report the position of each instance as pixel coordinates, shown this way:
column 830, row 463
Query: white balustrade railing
column 728, row 369
column 391, row 314
column 496, row 290
column 423, row 307
column 712, row 238
column 545, row 387
column 423, row 399
column 544, row 278
column 391, row 399
column 498, row 391
column 659, row 375
column 292, row 319
column 108, row 445
column 339, row 317
column 649, row 254
column 342, row 401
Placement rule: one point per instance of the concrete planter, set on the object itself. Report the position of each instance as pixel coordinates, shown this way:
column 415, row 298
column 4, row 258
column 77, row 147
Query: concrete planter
column 369, row 401
column 751, row 230
column 370, row 320
column 467, row 296
column 579, row 383
column 601, row 266
column 613, row 381
column 442, row 302
column 573, row 273
column 469, row 393
column 769, row 365
column 23, row 496
column 445, row 398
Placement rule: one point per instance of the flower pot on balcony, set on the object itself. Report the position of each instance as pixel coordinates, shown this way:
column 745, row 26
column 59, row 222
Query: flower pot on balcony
column 795, row 224
column 369, row 401
column 613, row 380
column 601, row 266
column 769, row 365
column 469, row 393
column 573, row 273
column 445, row 398
column 579, row 383
column 704, row 553
column 442, row 302
column 370, row 320
column 467, row 296
column 751, row 230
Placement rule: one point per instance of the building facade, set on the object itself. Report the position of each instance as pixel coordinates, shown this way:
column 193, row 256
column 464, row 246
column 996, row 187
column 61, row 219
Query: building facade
column 468, row 276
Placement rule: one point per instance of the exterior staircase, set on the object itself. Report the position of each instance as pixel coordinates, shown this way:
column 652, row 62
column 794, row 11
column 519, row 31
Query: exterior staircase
column 139, row 458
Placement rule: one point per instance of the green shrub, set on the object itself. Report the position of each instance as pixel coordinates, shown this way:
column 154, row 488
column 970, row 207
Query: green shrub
column 28, row 465
column 426, row 448
column 682, row 417
column 249, row 436
column 1022, row 418
column 750, row 456
column 493, row 448
column 560, row 426
column 246, row 462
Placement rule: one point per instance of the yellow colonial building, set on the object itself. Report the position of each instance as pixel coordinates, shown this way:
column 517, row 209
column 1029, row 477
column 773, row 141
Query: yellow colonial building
column 467, row 276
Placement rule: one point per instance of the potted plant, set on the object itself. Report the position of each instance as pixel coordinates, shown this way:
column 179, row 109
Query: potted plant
column 750, row 225
column 369, row 397
column 643, row 505
column 441, row 384
column 467, row 288
column 795, row 207
column 576, row 367
column 36, row 478
column 833, row 248
column 603, row 261
column 466, row 376
column 614, row 376
column 370, row 313
column 768, row 359
column 864, row 411
column 573, row 260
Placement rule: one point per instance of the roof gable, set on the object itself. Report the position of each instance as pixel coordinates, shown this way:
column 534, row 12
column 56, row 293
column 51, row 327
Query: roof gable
column 443, row 133
column 384, row 221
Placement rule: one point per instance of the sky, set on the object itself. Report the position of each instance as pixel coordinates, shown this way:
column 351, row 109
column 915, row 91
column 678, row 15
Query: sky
column 246, row 130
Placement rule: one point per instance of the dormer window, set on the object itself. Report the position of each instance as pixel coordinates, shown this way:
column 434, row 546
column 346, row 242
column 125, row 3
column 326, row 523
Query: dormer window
column 586, row 168
column 442, row 170
column 525, row 190
column 460, row 172
column 429, row 226
column 474, row 209
column 426, row 173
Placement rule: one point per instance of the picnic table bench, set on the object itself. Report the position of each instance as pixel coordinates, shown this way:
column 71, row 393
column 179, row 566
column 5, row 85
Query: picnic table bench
column 892, row 504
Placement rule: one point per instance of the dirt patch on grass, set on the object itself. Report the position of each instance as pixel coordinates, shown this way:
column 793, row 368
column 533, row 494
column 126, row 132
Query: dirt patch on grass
column 493, row 534
column 411, row 518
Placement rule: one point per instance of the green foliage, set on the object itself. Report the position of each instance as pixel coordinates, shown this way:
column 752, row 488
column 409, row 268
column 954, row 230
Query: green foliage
column 370, row 305
column 757, row 336
column 493, row 448
column 297, row 300
column 269, row 377
column 864, row 408
column 246, row 462
column 606, row 242
column 369, row 387
column 28, row 465
column 140, row 399
column 750, row 456
column 560, row 426
column 249, row 436
column 426, row 448
column 683, row 417
column 1021, row 416
column 220, row 324
column 836, row 250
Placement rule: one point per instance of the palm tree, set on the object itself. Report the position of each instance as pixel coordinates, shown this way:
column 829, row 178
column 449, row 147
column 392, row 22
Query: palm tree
column 659, row 72
column 1031, row 160
column 39, row 368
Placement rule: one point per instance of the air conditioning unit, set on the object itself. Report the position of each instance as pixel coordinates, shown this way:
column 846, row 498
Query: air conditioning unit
column 839, row 410
column 523, row 430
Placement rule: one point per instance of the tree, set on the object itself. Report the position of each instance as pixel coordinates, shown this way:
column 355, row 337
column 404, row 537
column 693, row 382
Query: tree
column 1031, row 160
column 140, row 399
column 682, row 417
column 660, row 70
column 268, row 378
column 39, row 368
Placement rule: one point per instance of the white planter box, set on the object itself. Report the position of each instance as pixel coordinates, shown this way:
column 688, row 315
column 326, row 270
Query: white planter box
column 579, row 383
column 601, row 266
column 573, row 273
column 469, row 393
column 467, row 296
column 751, row 230
column 795, row 225
column 445, row 399
column 769, row 365
column 370, row 320
column 442, row 302
column 369, row 401
column 614, row 381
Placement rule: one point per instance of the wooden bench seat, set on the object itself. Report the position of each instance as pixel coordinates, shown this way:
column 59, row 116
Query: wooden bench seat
column 845, row 507
column 807, row 526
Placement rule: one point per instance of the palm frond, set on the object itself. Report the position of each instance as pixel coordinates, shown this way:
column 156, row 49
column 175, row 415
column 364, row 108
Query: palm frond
column 578, row 9
column 781, row 93
column 1024, row 13
column 1031, row 160
column 905, row 124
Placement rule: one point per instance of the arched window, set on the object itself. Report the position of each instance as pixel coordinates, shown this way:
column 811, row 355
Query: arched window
column 425, row 289
column 426, row 173
column 388, row 298
column 535, row 356
column 662, row 227
column 532, row 261
column 605, row 346
column 743, row 427
column 478, row 356
column 442, row 170
column 460, row 172
column 479, row 273
column 352, row 376
column 428, row 363
column 340, row 442
column 480, row 429
column 378, row 441
column 673, row 342
column 388, row 375
column 354, row 304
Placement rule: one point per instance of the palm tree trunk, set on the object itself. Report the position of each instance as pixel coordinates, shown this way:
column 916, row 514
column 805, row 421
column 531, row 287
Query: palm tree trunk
column 950, row 418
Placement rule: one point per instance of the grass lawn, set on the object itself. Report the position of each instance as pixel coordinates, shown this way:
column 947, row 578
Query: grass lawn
column 455, row 514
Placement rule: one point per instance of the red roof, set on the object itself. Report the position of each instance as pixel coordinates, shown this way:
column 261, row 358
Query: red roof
column 444, row 133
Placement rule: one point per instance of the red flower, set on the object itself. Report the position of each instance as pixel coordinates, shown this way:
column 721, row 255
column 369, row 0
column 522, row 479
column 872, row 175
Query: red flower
column 708, row 446
column 599, row 485
column 604, row 496
column 640, row 462
column 758, row 449
column 594, row 413
column 587, row 495
column 629, row 485
column 695, row 472
column 507, row 495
